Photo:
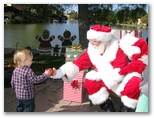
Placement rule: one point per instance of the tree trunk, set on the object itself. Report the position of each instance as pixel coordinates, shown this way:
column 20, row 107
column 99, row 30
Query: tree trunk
column 83, row 24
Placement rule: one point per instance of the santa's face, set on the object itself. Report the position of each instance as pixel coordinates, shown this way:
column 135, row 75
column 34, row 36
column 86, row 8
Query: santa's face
column 95, row 43
column 96, row 46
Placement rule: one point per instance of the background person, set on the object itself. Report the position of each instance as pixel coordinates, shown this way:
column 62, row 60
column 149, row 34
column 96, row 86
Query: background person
column 142, row 105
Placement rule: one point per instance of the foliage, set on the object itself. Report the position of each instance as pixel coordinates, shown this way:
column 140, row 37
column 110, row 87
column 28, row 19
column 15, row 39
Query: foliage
column 144, row 19
column 73, row 15
column 129, row 13
column 105, row 14
column 98, row 13
column 18, row 19
column 41, row 13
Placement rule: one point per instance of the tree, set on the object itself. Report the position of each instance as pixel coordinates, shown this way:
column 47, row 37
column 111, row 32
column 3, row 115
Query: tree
column 84, row 16
column 145, row 19
column 127, row 13
column 99, row 13
column 41, row 13
column 83, row 23
column 73, row 15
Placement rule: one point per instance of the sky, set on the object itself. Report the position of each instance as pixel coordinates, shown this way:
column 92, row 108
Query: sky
column 75, row 8
column 70, row 115
column 116, row 7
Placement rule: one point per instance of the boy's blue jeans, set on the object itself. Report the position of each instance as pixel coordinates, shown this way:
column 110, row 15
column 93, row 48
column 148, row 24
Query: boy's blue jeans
column 25, row 105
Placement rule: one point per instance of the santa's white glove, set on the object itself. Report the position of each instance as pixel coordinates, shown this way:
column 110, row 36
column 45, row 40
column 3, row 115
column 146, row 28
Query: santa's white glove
column 59, row 74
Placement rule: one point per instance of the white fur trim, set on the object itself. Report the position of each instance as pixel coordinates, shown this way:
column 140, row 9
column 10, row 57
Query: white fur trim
column 92, row 75
column 99, row 36
column 71, row 70
column 125, row 80
column 126, row 44
column 99, row 97
column 131, row 103
column 102, row 63
column 108, row 56
column 109, row 75
column 109, row 79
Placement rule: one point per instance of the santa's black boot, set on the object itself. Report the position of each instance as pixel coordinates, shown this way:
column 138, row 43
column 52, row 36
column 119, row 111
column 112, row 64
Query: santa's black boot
column 107, row 106
column 124, row 108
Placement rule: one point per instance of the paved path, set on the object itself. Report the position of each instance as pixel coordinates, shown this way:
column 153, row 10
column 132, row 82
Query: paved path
column 49, row 98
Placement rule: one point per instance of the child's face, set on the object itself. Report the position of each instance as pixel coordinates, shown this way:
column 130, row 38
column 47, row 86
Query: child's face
column 28, row 62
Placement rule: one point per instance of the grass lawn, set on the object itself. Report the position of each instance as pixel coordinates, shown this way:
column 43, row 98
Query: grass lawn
column 40, row 63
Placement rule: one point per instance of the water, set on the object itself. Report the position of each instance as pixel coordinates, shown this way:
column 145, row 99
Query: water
column 25, row 34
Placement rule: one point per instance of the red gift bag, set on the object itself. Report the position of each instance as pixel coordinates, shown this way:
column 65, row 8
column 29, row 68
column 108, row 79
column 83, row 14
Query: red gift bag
column 73, row 91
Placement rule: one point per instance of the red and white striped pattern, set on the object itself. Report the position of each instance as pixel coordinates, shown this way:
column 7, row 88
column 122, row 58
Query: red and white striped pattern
column 74, row 94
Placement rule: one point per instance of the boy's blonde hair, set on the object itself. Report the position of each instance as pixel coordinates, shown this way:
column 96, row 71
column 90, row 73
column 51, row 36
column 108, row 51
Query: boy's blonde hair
column 20, row 56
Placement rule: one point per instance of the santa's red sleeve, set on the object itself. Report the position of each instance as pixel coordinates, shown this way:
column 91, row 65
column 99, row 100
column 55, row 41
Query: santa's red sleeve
column 71, row 69
column 83, row 62
column 134, row 66
column 121, row 60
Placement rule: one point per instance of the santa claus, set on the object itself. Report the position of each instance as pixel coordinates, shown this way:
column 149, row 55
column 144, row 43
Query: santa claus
column 110, row 71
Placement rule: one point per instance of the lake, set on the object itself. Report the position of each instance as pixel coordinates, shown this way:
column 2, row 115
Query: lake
column 24, row 34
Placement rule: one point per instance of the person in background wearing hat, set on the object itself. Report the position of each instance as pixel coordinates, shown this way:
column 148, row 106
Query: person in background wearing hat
column 142, row 105
column 105, row 55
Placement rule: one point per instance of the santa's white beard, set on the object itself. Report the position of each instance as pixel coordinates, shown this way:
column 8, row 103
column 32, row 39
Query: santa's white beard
column 96, row 49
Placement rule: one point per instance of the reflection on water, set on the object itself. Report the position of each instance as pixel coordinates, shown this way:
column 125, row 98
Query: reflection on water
column 25, row 34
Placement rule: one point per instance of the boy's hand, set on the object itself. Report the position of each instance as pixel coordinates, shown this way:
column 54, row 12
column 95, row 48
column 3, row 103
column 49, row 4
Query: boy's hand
column 48, row 71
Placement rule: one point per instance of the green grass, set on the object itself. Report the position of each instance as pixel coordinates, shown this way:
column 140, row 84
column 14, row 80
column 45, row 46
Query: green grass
column 40, row 63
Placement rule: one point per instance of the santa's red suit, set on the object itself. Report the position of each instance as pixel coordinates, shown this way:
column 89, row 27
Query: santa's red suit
column 110, row 67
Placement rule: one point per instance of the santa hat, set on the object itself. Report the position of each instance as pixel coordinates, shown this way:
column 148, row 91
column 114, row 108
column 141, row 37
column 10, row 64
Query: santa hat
column 99, row 33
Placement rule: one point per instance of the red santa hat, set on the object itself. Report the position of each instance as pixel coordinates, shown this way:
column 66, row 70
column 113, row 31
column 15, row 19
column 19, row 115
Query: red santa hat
column 99, row 33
